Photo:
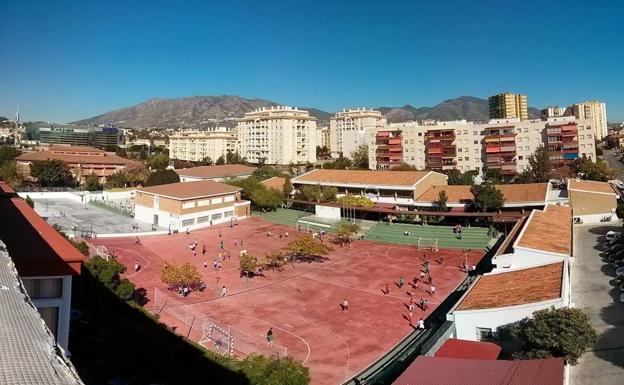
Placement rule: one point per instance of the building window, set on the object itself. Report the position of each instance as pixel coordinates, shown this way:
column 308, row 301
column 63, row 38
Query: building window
column 484, row 334
column 228, row 214
column 50, row 315
column 216, row 216
column 205, row 202
column 475, row 141
column 44, row 288
column 229, row 198
column 188, row 205
column 520, row 157
column 216, row 201
column 203, row 219
column 519, row 140
column 188, row 222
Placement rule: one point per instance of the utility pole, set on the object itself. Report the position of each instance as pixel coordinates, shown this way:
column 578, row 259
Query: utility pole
column 17, row 138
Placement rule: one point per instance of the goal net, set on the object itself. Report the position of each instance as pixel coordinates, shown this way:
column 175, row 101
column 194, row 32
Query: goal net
column 428, row 244
column 210, row 332
column 100, row 251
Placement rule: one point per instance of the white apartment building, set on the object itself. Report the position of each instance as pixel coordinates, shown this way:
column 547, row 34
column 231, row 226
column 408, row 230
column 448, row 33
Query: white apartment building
column 505, row 144
column 348, row 129
column 278, row 135
column 197, row 145
column 322, row 136
column 597, row 112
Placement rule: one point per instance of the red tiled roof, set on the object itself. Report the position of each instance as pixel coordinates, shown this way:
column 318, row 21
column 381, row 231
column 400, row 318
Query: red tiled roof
column 220, row 171
column 276, row 182
column 591, row 186
column 475, row 350
column 362, row 177
column 76, row 149
column 35, row 247
column 188, row 190
column 454, row 371
column 549, row 230
column 513, row 193
column 75, row 159
column 518, row 287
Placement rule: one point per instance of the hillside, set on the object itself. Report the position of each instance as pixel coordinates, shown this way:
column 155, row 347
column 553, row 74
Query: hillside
column 199, row 111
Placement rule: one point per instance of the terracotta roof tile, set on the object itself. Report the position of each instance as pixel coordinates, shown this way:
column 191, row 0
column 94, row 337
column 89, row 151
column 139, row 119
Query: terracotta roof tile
column 476, row 350
column 74, row 159
column 276, row 182
column 36, row 248
column 76, row 149
column 453, row 371
column 187, row 190
column 365, row 178
column 516, row 287
column 588, row 185
column 220, row 171
column 549, row 230
column 513, row 193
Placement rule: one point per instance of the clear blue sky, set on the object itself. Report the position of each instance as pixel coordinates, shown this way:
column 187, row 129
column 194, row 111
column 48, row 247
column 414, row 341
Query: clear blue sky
column 67, row 60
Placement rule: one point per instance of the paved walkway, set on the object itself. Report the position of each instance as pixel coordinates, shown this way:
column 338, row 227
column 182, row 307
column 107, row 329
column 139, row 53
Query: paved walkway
column 594, row 292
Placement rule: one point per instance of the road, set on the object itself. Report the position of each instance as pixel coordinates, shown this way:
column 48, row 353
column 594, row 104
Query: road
column 595, row 292
column 613, row 160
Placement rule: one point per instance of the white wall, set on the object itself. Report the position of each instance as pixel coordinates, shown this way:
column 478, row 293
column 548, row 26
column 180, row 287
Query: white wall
column 467, row 321
column 327, row 212
column 522, row 258
column 166, row 220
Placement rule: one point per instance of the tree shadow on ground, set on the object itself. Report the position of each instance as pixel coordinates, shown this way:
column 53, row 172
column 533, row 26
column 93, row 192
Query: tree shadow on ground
column 611, row 342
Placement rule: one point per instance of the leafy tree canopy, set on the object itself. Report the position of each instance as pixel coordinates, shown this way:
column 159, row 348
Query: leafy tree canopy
column 162, row 177
column 487, row 198
column 287, row 188
column 262, row 370
column 440, row 204
column 403, row 167
column 355, row 200
column 359, row 158
column 564, row 332
column 305, row 246
column 266, row 171
column 341, row 163
column 598, row 171
column 220, row 160
column 456, row 177
column 234, row 158
column 52, row 173
column 8, row 153
column 180, row 275
column 266, row 198
column 316, row 193
column 158, row 162
column 10, row 173
column 346, row 230
column 117, row 180
column 92, row 183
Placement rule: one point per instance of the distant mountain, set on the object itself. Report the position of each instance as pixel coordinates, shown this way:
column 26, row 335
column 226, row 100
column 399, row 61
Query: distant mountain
column 463, row 107
column 194, row 111
column 198, row 111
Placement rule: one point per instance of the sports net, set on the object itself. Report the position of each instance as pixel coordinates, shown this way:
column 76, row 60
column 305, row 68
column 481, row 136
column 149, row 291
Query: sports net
column 428, row 244
column 212, row 333
column 100, row 251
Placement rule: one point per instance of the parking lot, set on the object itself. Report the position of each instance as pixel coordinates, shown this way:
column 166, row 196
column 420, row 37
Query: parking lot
column 595, row 291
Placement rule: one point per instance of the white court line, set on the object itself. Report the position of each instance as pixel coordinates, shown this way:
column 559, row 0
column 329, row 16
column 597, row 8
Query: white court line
column 141, row 257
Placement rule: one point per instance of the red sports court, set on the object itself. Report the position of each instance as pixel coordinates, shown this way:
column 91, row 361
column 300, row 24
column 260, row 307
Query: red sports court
column 300, row 302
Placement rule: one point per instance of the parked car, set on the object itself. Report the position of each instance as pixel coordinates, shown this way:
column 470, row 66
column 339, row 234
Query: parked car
column 613, row 234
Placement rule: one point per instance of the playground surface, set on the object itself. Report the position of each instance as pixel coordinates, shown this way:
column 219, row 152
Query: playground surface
column 300, row 301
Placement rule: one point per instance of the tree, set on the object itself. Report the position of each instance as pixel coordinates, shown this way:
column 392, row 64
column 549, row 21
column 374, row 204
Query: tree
column 341, row 163
column 274, row 259
column 10, row 173
column 355, row 200
column 598, row 171
column 564, row 332
column 8, row 153
column 359, row 157
column 158, row 162
column 52, row 173
column 137, row 174
column 263, row 370
column 403, row 167
column 287, row 188
column 456, row 177
column 306, row 247
column 493, row 176
column 328, row 194
column 234, row 158
column 310, row 193
column 162, row 177
column 248, row 264
column 322, row 152
column 92, row 183
column 220, row 160
column 345, row 231
column 266, row 198
column 206, row 161
column 117, row 180
column 486, row 198
column 265, row 172
column 539, row 168
column 440, row 204
column 30, row 202
column 177, row 276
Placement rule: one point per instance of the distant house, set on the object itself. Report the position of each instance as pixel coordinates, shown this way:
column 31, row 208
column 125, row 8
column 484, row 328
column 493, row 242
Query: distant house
column 44, row 259
column 82, row 161
column 188, row 205
column 218, row 173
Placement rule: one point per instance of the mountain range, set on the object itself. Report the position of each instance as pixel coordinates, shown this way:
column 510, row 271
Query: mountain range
column 201, row 111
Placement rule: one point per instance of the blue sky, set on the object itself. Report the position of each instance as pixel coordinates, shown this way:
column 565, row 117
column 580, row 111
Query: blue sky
column 67, row 60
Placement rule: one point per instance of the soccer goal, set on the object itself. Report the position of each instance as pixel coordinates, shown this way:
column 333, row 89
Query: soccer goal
column 428, row 244
column 219, row 338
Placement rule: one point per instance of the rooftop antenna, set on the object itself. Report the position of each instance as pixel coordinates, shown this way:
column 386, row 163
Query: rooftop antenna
column 17, row 120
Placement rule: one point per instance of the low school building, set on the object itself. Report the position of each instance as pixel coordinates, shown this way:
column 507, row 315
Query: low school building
column 190, row 205
column 217, row 173
column 399, row 188
column 592, row 201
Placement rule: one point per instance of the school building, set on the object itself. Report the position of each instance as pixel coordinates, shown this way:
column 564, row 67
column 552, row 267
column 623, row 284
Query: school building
column 189, row 205
column 217, row 173
column 45, row 261
column 399, row 188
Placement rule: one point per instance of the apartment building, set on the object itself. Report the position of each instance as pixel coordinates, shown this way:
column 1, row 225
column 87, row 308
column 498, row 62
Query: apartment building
column 322, row 136
column 348, row 129
column 385, row 149
column 508, row 105
column 197, row 145
column 597, row 112
column 278, row 135
column 502, row 144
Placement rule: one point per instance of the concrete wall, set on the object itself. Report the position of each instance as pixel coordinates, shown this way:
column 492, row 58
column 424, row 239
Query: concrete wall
column 592, row 206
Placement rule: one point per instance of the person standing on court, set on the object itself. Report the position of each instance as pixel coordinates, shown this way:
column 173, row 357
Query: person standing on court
column 401, row 282
column 269, row 336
